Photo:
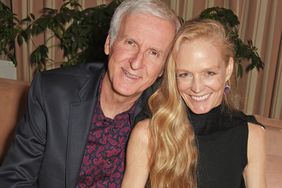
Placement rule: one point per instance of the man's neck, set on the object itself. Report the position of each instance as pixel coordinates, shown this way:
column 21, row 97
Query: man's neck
column 112, row 103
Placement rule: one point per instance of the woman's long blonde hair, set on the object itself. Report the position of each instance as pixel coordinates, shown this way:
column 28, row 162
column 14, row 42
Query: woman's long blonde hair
column 173, row 160
column 172, row 141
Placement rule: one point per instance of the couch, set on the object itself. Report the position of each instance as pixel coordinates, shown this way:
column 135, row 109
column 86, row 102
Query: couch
column 13, row 98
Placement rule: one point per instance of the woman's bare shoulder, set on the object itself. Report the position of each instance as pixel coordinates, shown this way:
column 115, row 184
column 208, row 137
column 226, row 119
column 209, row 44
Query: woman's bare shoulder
column 256, row 140
column 141, row 131
column 256, row 130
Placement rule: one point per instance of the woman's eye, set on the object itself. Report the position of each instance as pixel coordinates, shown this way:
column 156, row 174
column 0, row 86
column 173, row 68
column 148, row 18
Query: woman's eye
column 184, row 75
column 210, row 73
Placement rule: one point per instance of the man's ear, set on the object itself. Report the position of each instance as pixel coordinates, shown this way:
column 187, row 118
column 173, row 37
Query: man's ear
column 229, row 68
column 107, row 46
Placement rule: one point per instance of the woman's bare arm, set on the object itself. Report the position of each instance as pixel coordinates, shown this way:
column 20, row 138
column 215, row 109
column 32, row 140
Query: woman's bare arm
column 254, row 173
column 137, row 157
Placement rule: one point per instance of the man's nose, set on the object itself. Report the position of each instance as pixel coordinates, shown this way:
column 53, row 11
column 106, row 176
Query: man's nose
column 137, row 61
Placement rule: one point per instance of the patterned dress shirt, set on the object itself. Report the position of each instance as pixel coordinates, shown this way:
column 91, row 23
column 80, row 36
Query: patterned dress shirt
column 103, row 163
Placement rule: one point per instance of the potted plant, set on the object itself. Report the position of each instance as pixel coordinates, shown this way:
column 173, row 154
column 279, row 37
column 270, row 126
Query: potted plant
column 81, row 33
column 243, row 51
column 9, row 29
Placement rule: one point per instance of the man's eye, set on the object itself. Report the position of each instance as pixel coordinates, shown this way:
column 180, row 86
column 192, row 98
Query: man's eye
column 154, row 53
column 130, row 42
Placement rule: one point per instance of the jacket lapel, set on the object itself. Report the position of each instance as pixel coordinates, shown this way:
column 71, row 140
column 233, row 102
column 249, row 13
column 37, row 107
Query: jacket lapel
column 79, row 124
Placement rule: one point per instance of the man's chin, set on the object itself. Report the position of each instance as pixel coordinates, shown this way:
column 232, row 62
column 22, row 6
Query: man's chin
column 126, row 93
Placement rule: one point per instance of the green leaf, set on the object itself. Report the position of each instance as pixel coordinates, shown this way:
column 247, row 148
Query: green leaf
column 39, row 55
column 20, row 40
column 240, row 70
column 242, row 50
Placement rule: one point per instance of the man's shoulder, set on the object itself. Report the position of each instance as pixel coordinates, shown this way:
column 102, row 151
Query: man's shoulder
column 84, row 69
column 72, row 74
column 69, row 79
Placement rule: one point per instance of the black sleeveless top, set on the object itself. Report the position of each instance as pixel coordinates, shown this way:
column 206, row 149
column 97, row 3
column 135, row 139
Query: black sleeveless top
column 222, row 139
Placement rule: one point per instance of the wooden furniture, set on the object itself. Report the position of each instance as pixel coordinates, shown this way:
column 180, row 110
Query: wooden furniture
column 13, row 96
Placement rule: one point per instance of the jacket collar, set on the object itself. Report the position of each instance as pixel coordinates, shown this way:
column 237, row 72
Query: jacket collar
column 80, row 120
column 80, row 117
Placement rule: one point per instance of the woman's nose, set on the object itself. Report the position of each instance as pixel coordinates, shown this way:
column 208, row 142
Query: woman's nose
column 197, row 85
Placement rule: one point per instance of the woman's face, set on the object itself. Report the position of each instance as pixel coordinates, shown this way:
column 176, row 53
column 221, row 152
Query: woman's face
column 201, row 74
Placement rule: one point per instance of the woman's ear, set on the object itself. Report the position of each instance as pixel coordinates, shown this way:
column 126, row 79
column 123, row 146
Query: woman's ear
column 161, row 73
column 229, row 68
column 107, row 46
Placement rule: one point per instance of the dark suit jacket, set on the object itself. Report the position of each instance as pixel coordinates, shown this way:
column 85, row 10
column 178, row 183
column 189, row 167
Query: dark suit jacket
column 50, row 139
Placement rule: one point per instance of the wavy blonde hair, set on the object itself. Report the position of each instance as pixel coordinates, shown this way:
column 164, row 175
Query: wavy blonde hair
column 173, row 149
column 173, row 160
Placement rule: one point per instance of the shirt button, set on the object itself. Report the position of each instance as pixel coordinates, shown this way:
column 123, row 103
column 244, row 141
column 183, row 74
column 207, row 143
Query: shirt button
column 114, row 130
column 109, row 161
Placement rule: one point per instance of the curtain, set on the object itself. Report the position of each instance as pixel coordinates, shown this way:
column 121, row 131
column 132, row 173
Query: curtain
column 256, row 92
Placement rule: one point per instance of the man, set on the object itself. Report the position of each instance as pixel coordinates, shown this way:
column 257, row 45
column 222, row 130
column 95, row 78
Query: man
column 75, row 130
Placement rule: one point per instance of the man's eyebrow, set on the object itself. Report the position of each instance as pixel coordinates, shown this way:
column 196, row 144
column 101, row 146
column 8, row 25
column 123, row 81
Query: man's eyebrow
column 125, row 36
column 156, row 49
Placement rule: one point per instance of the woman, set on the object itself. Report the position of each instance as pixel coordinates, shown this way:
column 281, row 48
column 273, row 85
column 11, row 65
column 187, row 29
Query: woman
column 230, row 144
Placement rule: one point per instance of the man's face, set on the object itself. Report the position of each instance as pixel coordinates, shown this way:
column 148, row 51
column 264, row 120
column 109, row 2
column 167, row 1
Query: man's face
column 138, row 54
